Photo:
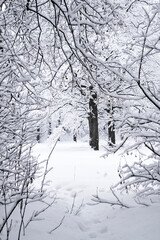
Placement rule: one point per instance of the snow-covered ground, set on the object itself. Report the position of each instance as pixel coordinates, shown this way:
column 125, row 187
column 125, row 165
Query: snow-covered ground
column 79, row 173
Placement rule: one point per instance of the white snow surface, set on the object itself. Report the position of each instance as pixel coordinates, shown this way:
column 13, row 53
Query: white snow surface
column 79, row 173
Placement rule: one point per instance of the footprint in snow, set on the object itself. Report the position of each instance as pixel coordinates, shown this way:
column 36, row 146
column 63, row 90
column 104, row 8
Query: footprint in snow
column 92, row 235
column 82, row 227
column 103, row 230
column 58, row 187
column 69, row 189
column 96, row 221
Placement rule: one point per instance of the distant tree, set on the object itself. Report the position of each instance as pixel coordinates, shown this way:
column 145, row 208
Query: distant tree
column 77, row 32
column 111, row 125
column 93, row 120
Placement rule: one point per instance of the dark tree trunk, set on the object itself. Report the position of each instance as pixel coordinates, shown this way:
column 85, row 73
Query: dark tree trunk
column 1, row 48
column 111, row 127
column 75, row 137
column 38, row 134
column 111, row 133
column 93, row 121
column 49, row 128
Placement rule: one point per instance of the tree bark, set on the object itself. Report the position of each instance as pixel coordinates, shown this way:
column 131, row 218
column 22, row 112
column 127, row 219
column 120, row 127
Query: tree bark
column 93, row 121
column 111, row 127
column 49, row 128
column 111, row 133
column 38, row 134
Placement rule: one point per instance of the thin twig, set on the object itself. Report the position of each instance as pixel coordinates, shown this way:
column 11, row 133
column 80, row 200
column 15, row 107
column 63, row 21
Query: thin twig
column 45, row 173
column 57, row 225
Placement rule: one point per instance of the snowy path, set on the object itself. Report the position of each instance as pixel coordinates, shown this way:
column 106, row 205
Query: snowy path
column 78, row 173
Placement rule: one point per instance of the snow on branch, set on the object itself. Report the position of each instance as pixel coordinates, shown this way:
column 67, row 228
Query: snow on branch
column 117, row 202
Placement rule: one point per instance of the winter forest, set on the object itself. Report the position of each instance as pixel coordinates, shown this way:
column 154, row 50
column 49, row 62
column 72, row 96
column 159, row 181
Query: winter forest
column 79, row 90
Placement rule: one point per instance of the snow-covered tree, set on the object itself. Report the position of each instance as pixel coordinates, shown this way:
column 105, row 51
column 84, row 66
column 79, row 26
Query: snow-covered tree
column 138, row 119
column 21, row 103
column 141, row 121
column 42, row 45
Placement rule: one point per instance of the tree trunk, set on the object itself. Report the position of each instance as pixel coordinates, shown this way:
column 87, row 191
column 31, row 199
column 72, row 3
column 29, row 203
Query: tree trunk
column 38, row 134
column 111, row 133
column 75, row 137
column 111, row 127
column 93, row 121
column 49, row 128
